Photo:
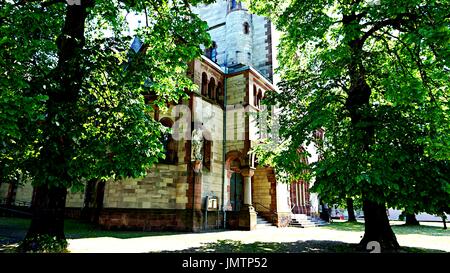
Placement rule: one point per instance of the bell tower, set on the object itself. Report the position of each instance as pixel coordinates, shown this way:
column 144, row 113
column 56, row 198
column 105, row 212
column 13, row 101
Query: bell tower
column 239, row 35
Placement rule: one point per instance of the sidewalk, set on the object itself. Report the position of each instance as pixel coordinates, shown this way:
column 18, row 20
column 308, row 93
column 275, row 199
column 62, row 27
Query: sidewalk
column 267, row 235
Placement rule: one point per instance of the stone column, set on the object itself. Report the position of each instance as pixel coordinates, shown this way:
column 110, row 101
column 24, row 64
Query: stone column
column 247, row 215
column 248, row 190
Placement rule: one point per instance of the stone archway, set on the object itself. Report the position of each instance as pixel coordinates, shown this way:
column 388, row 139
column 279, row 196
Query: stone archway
column 236, row 169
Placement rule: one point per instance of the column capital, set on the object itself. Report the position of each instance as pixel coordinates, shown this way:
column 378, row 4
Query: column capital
column 248, row 172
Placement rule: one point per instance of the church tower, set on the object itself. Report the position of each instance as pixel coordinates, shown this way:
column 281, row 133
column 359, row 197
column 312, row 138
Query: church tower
column 240, row 39
column 239, row 35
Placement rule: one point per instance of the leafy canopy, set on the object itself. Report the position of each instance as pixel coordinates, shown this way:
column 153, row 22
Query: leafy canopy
column 403, row 54
column 106, row 130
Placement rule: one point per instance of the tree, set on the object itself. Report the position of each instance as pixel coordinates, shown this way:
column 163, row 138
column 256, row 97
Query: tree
column 374, row 76
column 72, row 94
column 351, row 210
column 411, row 220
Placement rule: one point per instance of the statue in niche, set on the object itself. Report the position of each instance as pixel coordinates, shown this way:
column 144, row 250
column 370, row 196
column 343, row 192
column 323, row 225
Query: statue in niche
column 197, row 144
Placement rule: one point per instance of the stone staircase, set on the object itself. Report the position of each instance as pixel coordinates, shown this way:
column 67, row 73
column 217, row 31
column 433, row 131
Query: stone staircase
column 262, row 223
column 304, row 221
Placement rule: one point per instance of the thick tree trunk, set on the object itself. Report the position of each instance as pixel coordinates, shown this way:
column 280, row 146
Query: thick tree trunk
column 98, row 201
column 351, row 210
column 48, row 216
column 325, row 213
column 46, row 232
column 377, row 227
column 11, row 196
column 411, row 220
column 444, row 220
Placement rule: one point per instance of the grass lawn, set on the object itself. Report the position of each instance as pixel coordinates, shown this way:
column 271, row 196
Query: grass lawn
column 17, row 227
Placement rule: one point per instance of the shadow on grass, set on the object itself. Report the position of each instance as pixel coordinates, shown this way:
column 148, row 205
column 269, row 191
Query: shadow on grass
column 13, row 230
column 310, row 246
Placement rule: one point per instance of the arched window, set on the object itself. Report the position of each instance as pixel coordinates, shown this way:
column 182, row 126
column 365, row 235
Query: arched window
column 211, row 52
column 169, row 144
column 211, row 88
column 255, row 96
column 259, row 98
column 246, row 28
column 318, row 134
column 204, row 84
column 233, row 4
column 214, row 52
column 263, row 107
column 219, row 92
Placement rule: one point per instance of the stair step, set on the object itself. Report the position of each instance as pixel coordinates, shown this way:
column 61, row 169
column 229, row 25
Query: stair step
column 304, row 221
column 262, row 222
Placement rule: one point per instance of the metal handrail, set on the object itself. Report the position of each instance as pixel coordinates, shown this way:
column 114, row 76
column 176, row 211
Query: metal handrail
column 292, row 208
column 273, row 213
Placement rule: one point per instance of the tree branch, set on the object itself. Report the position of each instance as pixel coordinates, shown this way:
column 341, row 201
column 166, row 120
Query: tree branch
column 393, row 22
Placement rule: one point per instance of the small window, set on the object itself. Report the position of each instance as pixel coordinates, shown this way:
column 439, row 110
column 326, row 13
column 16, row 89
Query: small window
column 219, row 92
column 259, row 98
column 211, row 52
column 211, row 88
column 169, row 144
column 213, row 56
column 233, row 4
column 246, row 28
column 255, row 96
column 204, row 84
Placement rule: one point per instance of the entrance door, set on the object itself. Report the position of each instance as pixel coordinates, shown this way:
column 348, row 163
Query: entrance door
column 236, row 191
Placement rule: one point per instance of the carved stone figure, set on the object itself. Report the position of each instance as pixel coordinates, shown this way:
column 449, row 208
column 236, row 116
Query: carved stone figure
column 197, row 145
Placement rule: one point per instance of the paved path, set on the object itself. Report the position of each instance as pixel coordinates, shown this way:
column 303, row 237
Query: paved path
column 271, row 234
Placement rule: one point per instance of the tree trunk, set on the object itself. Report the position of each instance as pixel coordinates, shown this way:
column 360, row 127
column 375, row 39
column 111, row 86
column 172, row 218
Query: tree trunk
column 325, row 213
column 46, row 232
column 411, row 220
column 98, row 201
column 48, row 216
column 11, row 196
column 86, row 211
column 351, row 211
column 377, row 227
column 444, row 220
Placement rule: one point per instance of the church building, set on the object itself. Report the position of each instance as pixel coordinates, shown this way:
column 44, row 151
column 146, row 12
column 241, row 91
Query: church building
column 208, row 180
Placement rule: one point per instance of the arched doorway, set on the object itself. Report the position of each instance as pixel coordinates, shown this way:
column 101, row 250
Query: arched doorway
column 236, row 191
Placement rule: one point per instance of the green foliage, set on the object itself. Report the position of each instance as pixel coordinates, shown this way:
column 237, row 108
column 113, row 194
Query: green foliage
column 105, row 129
column 400, row 49
column 43, row 244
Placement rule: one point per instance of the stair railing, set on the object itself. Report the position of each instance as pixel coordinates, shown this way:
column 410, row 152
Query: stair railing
column 293, row 207
column 272, row 212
